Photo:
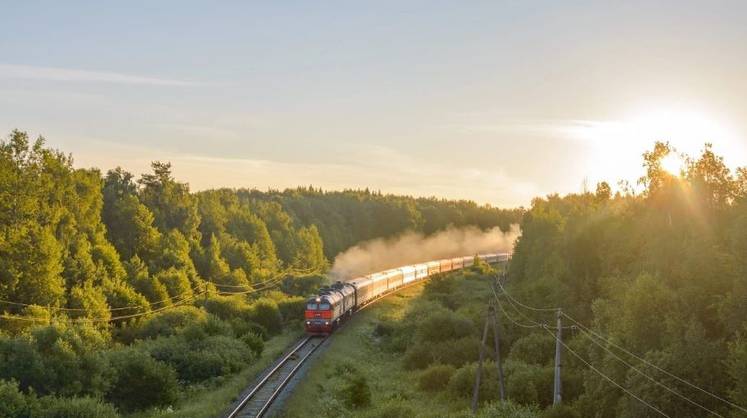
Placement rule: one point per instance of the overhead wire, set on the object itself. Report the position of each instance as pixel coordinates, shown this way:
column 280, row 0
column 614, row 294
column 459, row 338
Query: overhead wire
column 642, row 373
column 609, row 379
column 643, row 360
column 589, row 333
column 175, row 300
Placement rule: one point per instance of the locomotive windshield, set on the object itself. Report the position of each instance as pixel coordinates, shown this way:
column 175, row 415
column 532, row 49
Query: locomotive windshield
column 311, row 306
column 324, row 306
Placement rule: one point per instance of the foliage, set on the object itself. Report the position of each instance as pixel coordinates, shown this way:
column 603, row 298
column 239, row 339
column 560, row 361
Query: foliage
column 436, row 377
column 660, row 273
column 140, row 381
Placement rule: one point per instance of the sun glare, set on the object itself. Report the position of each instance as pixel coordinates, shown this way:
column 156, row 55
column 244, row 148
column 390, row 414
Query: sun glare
column 616, row 146
column 672, row 163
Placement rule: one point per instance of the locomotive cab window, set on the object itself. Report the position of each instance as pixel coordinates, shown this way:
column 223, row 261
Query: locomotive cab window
column 311, row 306
column 324, row 306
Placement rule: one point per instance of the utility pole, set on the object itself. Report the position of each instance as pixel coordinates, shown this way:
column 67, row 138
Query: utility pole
column 476, row 392
column 558, row 390
column 497, row 343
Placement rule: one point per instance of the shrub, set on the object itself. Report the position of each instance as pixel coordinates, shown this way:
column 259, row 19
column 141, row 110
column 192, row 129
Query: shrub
column 444, row 325
column 226, row 308
column 170, row 322
column 356, row 393
column 418, row 356
column 13, row 403
column 211, row 327
column 436, row 377
column 140, row 381
column 462, row 383
column 200, row 359
column 56, row 359
column 459, row 352
column 560, row 411
column 528, row 383
column 292, row 308
column 501, row 409
column 76, row 408
column 266, row 313
column 241, row 327
column 533, row 349
column 254, row 342
column 391, row 409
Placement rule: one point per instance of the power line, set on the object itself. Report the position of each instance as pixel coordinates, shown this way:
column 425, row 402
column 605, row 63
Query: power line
column 649, row 377
column 641, row 359
column 535, row 323
column 609, row 379
column 591, row 332
column 170, row 299
column 532, row 308
column 500, row 306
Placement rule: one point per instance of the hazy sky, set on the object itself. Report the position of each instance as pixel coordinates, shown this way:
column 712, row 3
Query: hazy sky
column 494, row 101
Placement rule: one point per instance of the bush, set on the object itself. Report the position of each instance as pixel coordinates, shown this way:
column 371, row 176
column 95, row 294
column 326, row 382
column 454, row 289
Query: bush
column 140, row 381
column 529, row 384
column 444, row 325
column 459, row 352
column 356, row 393
column 391, row 409
column 254, row 342
column 560, row 411
column 76, row 408
column 436, row 377
column 418, row 356
column 507, row 409
column 292, row 308
column 265, row 312
column 170, row 322
column 535, row 348
column 227, row 307
column 13, row 403
column 462, row 383
column 242, row 327
column 56, row 359
column 198, row 360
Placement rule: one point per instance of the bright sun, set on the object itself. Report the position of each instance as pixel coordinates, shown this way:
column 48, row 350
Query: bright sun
column 616, row 146
column 672, row 163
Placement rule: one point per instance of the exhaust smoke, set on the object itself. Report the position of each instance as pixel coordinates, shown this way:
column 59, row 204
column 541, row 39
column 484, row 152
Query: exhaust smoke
column 413, row 247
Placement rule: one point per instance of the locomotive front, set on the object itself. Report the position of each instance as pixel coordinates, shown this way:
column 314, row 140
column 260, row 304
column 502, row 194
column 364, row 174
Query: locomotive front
column 319, row 315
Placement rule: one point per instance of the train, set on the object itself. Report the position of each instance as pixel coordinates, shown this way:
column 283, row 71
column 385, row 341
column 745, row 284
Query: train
column 332, row 305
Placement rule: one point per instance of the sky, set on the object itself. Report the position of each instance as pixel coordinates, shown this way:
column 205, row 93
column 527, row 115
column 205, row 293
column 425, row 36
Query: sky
column 497, row 101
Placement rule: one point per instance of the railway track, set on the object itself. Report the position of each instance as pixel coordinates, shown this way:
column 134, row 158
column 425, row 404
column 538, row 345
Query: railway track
column 258, row 401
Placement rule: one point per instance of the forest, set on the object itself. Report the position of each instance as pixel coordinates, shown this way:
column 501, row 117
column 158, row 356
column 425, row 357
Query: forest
column 107, row 280
column 661, row 274
column 652, row 289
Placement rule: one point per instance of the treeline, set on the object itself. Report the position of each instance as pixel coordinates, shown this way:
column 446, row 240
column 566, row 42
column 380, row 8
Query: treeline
column 107, row 279
column 662, row 274
column 346, row 218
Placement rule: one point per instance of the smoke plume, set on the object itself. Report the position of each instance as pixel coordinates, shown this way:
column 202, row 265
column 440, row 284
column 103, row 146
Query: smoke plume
column 412, row 247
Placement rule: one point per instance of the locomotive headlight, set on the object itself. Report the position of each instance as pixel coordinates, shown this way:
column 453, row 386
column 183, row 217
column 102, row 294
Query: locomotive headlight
column 326, row 322
column 308, row 322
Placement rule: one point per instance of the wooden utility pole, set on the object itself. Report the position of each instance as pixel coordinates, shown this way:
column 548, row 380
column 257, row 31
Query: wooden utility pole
column 497, row 343
column 558, row 390
column 476, row 392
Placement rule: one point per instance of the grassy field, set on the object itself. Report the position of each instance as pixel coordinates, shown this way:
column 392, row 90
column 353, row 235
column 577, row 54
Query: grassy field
column 213, row 399
column 393, row 389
